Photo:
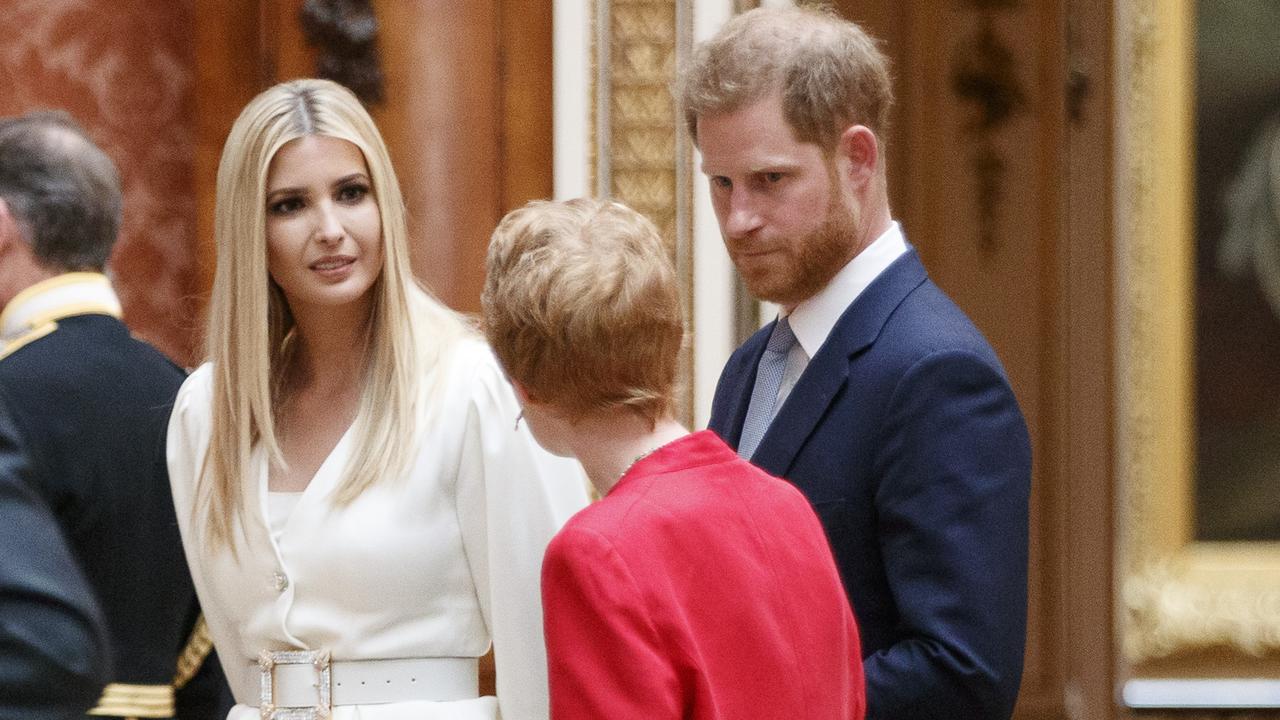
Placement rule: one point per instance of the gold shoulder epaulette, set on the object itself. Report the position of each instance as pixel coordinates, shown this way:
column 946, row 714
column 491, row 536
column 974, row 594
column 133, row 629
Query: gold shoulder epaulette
column 27, row 338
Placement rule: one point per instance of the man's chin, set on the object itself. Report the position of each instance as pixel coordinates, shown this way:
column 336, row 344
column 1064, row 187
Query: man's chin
column 802, row 285
column 772, row 292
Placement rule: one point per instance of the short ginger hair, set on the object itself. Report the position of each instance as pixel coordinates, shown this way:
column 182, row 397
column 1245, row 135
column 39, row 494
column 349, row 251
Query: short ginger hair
column 582, row 308
column 828, row 71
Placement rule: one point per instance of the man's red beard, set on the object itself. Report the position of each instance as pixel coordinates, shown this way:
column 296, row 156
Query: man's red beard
column 820, row 255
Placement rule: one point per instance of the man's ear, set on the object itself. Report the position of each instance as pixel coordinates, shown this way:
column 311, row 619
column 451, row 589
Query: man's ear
column 859, row 148
column 8, row 226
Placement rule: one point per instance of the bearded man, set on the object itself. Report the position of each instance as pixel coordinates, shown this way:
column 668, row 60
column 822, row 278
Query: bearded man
column 872, row 392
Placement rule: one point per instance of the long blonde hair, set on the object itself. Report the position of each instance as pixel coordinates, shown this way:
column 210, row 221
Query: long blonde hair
column 250, row 323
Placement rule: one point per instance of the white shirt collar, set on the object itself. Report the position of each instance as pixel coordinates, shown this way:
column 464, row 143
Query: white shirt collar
column 813, row 319
column 76, row 293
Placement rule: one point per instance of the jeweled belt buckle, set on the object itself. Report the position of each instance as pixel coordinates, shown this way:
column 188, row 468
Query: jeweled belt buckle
column 318, row 659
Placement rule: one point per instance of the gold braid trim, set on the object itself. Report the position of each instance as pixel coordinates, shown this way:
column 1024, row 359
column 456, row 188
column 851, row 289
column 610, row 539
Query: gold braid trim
column 27, row 338
column 139, row 701
column 193, row 654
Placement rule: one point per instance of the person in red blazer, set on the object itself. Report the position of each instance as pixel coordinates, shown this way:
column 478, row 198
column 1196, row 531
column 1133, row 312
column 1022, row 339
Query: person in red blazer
column 699, row 586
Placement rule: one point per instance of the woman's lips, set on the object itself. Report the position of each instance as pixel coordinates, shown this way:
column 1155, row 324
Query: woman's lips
column 336, row 266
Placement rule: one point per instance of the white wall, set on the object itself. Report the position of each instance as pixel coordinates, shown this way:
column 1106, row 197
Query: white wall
column 571, row 67
column 712, row 271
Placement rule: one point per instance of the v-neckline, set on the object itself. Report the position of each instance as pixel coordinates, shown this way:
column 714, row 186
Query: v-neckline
column 321, row 482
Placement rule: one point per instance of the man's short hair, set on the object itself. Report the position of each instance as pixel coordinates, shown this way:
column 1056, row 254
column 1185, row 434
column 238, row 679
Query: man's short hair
column 829, row 72
column 62, row 189
column 582, row 308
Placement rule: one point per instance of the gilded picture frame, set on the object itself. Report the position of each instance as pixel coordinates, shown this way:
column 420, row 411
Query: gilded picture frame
column 1186, row 608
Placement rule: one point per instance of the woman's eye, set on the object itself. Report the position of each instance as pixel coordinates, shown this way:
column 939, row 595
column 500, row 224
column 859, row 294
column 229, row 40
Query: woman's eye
column 286, row 206
column 721, row 181
column 773, row 177
column 352, row 193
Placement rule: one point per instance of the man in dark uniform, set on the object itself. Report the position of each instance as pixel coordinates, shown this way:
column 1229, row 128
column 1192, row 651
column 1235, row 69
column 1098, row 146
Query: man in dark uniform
column 53, row 648
column 92, row 404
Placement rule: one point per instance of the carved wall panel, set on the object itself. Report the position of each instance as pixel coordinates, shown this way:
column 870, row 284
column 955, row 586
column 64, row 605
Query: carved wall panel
column 124, row 71
column 980, row 151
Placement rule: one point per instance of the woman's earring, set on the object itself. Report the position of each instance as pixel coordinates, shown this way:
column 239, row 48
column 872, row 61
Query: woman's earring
column 518, row 419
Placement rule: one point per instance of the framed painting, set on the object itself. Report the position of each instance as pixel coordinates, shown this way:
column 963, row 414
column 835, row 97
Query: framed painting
column 1198, row 352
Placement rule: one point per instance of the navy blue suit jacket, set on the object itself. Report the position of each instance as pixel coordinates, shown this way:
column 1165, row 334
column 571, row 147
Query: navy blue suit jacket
column 905, row 435
column 54, row 657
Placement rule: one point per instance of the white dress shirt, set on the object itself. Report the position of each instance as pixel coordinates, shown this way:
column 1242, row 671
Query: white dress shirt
column 437, row 563
column 813, row 319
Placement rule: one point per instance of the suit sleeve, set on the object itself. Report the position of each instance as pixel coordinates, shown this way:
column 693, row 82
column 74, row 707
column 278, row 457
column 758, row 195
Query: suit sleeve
column 952, row 501
column 605, row 658
column 54, row 658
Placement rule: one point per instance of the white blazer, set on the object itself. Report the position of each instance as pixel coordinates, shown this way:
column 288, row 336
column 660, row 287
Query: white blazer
column 435, row 564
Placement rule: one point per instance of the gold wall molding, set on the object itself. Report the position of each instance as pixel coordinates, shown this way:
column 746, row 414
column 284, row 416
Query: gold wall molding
column 642, row 128
column 1178, row 598
column 1214, row 596
column 640, row 155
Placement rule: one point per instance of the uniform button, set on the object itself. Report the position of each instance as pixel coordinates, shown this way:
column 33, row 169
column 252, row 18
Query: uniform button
column 279, row 581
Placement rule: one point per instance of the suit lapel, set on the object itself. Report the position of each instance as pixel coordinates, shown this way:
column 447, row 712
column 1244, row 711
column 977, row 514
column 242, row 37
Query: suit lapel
column 828, row 370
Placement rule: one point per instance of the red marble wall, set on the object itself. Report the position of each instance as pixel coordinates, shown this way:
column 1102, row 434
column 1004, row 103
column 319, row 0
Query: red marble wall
column 124, row 69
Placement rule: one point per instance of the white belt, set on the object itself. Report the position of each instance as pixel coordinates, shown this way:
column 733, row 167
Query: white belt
column 309, row 680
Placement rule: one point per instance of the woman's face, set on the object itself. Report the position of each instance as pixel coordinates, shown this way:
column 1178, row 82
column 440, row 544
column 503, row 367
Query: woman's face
column 324, row 232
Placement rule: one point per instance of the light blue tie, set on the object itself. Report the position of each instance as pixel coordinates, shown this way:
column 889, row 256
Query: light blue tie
column 765, row 394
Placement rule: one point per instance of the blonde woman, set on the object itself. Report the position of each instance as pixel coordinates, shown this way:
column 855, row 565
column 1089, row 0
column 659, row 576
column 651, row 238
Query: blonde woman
column 360, row 516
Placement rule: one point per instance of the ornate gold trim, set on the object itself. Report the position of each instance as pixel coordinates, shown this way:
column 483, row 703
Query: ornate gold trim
column 198, row 647
column 640, row 158
column 642, row 141
column 1177, row 596
column 140, row 701
column 1208, row 595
